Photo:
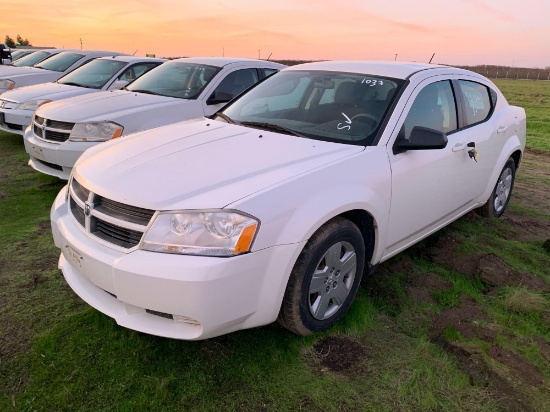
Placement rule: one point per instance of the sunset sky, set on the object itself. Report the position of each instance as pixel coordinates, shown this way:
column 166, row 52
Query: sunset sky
column 501, row 32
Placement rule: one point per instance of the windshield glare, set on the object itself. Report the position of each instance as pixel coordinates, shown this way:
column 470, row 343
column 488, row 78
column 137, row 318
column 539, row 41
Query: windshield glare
column 60, row 62
column 332, row 106
column 94, row 74
column 175, row 79
column 31, row 59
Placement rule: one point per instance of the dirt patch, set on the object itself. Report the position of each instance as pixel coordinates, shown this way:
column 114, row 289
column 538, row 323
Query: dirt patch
column 339, row 354
column 422, row 286
column 443, row 253
column 3, row 195
column 471, row 362
column 525, row 228
column 494, row 272
column 469, row 319
column 544, row 347
column 526, row 371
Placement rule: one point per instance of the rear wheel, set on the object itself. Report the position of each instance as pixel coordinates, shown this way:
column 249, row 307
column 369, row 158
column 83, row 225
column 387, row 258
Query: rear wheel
column 324, row 279
column 502, row 192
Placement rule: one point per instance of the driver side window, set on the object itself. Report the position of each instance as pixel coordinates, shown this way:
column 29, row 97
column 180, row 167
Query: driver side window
column 434, row 107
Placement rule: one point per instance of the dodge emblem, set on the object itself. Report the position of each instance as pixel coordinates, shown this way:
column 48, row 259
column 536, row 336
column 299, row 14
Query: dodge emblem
column 87, row 209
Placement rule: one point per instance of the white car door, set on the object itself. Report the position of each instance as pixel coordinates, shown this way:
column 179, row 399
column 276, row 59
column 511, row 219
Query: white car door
column 430, row 187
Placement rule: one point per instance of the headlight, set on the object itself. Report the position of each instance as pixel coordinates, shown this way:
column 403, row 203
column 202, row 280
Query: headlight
column 206, row 233
column 7, row 84
column 33, row 104
column 95, row 131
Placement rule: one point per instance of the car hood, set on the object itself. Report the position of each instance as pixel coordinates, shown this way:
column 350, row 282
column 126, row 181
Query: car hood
column 51, row 91
column 107, row 105
column 9, row 71
column 199, row 164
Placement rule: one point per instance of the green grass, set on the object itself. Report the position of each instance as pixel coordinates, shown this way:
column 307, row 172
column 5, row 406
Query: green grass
column 57, row 353
column 534, row 97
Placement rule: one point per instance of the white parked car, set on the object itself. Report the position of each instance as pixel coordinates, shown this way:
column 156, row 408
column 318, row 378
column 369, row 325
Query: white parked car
column 178, row 90
column 48, row 70
column 275, row 209
column 29, row 60
column 107, row 73
column 20, row 53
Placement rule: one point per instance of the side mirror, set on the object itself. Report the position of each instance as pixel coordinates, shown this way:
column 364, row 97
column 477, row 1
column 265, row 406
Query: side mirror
column 219, row 97
column 119, row 84
column 422, row 138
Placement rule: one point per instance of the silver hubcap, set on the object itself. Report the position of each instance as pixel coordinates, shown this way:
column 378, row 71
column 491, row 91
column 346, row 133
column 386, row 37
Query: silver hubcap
column 332, row 280
column 502, row 191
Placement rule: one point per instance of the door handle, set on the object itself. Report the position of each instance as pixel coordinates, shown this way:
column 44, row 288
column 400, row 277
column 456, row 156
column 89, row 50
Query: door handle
column 459, row 146
column 502, row 129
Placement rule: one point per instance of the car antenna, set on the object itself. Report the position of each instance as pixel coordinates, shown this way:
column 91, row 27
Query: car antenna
column 269, row 56
column 135, row 52
column 431, row 58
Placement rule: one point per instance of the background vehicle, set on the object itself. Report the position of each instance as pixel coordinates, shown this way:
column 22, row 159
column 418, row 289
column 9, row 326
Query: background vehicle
column 5, row 54
column 30, row 60
column 48, row 70
column 275, row 208
column 178, row 90
column 106, row 73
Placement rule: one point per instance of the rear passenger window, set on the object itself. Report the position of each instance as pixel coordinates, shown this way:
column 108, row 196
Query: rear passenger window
column 477, row 101
column 434, row 107
column 269, row 72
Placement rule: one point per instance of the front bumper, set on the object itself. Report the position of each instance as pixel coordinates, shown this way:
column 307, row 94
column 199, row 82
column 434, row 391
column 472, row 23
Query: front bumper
column 55, row 159
column 175, row 296
column 15, row 120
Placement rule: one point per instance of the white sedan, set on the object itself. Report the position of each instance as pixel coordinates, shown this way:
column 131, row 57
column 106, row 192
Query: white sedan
column 178, row 90
column 107, row 73
column 48, row 70
column 274, row 209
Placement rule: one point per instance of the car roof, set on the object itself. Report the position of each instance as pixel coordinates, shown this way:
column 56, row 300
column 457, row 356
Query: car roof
column 130, row 59
column 224, row 61
column 397, row 70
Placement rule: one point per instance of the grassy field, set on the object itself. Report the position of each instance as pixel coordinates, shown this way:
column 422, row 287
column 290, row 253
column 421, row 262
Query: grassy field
column 460, row 322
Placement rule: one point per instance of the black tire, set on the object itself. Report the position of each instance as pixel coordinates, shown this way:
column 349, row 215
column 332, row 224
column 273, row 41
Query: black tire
column 338, row 237
column 500, row 197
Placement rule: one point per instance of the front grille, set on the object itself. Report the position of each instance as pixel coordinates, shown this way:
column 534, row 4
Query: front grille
column 52, row 130
column 50, row 165
column 115, row 234
column 111, row 221
column 56, row 136
column 124, row 212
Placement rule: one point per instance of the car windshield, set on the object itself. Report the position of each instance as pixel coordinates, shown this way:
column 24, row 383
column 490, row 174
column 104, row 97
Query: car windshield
column 19, row 54
column 175, row 79
column 60, row 62
column 94, row 74
column 331, row 106
column 31, row 59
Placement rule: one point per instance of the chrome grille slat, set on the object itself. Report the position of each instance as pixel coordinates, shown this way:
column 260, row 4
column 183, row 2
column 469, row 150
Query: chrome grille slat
column 80, row 191
column 77, row 212
column 124, row 212
column 56, row 124
column 115, row 234
column 56, row 136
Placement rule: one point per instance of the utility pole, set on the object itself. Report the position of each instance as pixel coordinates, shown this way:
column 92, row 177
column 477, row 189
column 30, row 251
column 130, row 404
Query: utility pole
column 258, row 54
column 395, row 57
column 81, row 43
column 223, row 51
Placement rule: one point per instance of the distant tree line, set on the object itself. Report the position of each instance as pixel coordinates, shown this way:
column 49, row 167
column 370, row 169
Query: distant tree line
column 20, row 41
column 509, row 72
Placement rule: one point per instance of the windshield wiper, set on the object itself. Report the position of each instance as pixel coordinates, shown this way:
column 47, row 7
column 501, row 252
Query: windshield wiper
column 225, row 117
column 146, row 92
column 270, row 126
column 78, row 85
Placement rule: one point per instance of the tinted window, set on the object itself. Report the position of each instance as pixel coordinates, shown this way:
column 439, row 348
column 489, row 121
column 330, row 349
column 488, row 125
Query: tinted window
column 477, row 101
column 434, row 107
column 235, row 83
column 269, row 72
column 60, row 62
column 136, row 70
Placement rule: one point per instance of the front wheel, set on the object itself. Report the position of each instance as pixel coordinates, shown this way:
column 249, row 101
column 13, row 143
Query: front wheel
column 324, row 279
column 502, row 192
